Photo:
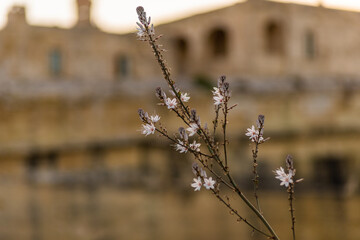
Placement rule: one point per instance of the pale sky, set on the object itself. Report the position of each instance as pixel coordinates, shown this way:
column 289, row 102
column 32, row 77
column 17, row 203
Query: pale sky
column 120, row 15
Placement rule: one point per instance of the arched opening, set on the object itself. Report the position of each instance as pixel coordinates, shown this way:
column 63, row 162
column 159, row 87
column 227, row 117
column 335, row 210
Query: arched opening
column 309, row 44
column 181, row 54
column 218, row 43
column 121, row 67
column 274, row 38
column 331, row 173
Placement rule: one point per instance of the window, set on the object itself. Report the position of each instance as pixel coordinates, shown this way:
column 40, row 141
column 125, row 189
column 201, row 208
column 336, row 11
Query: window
column 310, row 45
column 218, row 43
column 55, row 62
column 181, row 54
column 121, row 67
column 274, row 38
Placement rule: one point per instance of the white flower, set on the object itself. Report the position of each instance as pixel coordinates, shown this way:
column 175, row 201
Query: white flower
column 155, row 118
column 140, row 31
column 197, row 184
column 218, row 99
column 285, row 179
column 216, row 91
column 195, row 146
column 209, row 183
column 171, row 103
column 280, row 173
column 184, row 97
column 181, row 147
column 192, row 129
column 252, row 133
column 148, row 129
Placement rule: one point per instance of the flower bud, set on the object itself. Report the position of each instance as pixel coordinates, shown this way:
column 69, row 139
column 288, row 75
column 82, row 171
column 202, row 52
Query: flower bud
column 260, row 121
column 289, row 162
column 183, row 134
column 142, row 115
column 160, row 94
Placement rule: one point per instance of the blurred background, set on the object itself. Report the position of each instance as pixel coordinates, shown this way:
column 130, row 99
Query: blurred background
column 73, row 161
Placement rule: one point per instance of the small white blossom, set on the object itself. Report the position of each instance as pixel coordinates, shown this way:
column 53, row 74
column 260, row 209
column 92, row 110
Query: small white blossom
column 181, row 147
column 252, row 133
column 155, row 118
column 184, row 97
column 280, row 173
column 218, row 99
column 192, row 129
column 285, row 179
column 216, row 91
column 140, row 31
column 171, row 103
column 209, row 183
column 195, row 146
column 197, row 184
column 148, row 129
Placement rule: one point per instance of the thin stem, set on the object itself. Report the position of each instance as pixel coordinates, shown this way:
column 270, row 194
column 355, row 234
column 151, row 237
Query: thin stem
column 219, row 178
column 225, row 112
column 256, row 176
column 204, row 136
column 243, row 197
column 234, row 211
column 198, row 156
column 215, row 122
column 292, row 210
column 166, row 72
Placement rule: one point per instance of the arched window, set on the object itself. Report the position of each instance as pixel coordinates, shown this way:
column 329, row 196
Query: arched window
column 181, row 54
column 55, row 62
column 309, row 43
column 121, row 67
column 274, row 38
column 218, row 43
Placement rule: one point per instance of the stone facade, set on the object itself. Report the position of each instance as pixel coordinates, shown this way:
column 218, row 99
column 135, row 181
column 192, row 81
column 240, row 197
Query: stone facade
column 69, row 97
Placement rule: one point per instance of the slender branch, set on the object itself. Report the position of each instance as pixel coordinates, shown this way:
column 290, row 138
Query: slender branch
column 292, row 210
column 234, row 211
column 215, row 122
column 198, row 156
column 152, row 41
column 225, row 112
column 256, row 176
column 258, row 140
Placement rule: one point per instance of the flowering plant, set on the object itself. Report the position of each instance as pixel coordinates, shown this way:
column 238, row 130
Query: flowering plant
column 207, row 150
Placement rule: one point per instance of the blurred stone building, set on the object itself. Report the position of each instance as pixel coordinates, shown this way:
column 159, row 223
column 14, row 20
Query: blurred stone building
column 69, row 97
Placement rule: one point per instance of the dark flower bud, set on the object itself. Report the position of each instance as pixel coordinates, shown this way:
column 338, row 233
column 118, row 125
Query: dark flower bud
column 183, row 134
column 160, row 93
column 289, row 162
column 221, row 81
column 142, row 15
column 194, row 117
column 141, row 114
column 139, row 10
column 225, row 89
column 195, row 169
column 260, row 121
